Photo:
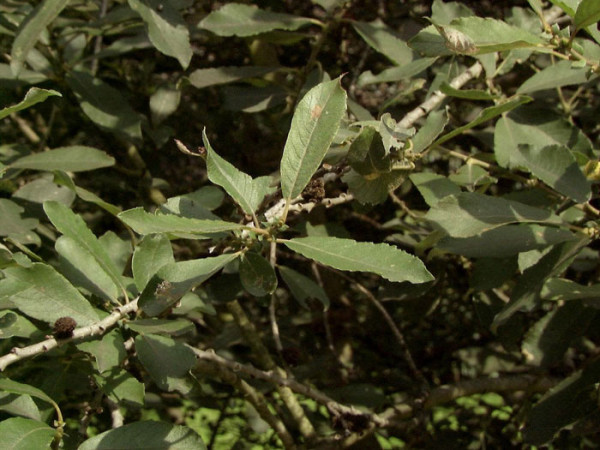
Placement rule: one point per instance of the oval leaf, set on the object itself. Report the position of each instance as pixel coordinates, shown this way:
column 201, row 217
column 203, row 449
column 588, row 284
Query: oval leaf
column 150, row 255
column 560, row 74
column 201, row 78
column 346, row 254
column 247, row 192
column 555, row 165
column 176, row 279
column 166, row 28
column 588, row 13
column 146, row 435
column 302, row 287
column 19, row 433
column 314, row 125
column 166, row 360
column 75, row 158
column 46, row 295
column 469, row 213
column 30, row 30
column 145, row 223
column 73, row 226
column 105, row 105
column 33, row 96
column 15, row 387
column 257, row 275
column 235, row 19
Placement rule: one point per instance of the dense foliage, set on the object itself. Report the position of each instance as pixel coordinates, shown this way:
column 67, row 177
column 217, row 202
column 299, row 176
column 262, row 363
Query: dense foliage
column 314, row 224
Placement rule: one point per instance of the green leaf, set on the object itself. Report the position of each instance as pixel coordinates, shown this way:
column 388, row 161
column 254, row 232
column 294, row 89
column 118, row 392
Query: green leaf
column 146, row 223
column 257, row 275
column 105, row 105
column 588, row 13
column 433, row 187
column 175, row 279
column 19, row 405
column 63, row 179
column 166, row 28
column 302, row 287
column 434, row 125
column 444, row 12
column 346, row 254
column 571, row 399
column 19, row 433
column 15, row 387
column 556, row 166
column 167, row 361
column 236, row 19
column 491, row 35
column 384, row 40
column 163, row 103
column 75, row 158
column 12, row 324
column 11, row 221
column 252, row 99
column 73, row 226
column 152, row 253
column 146, row 435
column 46, row 295
column 40, row 190
column 428, row 42
column 247, row 192
column 563, row 73
column 537, row 128
column 469, row 94
column 83, row 270
column 526, row 293
column 563, row 289
column 30, row 30
column 33, row 96
column 109, row 352
column 121, row 387
column 484, row 116
column 201, row 78
column 549, row 338
column 314, row 125
column 395, row 74
column 163, row 326
column 505, row 241
column 372, row 191
column 469, row 213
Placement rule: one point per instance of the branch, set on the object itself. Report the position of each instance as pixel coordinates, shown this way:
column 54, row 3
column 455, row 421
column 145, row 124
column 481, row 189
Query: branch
column 275, row 378
column 255, row 397
column 98, row 328
column 264, row 358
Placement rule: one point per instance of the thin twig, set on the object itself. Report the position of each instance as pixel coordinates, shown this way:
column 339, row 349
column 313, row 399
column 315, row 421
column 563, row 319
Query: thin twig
column 263, row 357
column 253, row 396
column 98, row 328
column 395, row 330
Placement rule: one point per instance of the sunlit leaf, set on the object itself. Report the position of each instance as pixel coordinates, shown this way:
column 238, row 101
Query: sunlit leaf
column 19, row 433
column 46, row 295
column 236, row 19
column 31, row 28
column 34, row 95
column 347, row 254
column 257, row 275
column 75, row 158
column 314, row 125
column 166, row 28
column 146, row 435
column 247, row 192
column 104, row 105
column 468, row 214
